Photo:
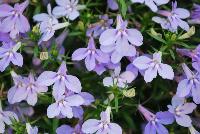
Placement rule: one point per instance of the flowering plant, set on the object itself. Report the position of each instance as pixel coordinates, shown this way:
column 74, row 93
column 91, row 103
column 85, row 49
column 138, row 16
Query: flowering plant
column 99, row 67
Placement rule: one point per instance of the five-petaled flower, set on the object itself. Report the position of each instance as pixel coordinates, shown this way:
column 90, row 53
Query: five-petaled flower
column 153, row 66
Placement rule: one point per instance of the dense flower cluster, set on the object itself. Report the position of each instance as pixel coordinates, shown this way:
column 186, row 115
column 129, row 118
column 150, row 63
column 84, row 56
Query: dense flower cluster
column 129, row 60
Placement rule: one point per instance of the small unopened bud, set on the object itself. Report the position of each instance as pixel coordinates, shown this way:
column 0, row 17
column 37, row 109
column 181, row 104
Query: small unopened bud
column 190, row 33
column 129, row 93
column 44, row 56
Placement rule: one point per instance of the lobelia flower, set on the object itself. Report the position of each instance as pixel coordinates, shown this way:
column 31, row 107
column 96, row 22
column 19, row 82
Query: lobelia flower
column 19, row 85
column 174, row 18
column 152, row 4
column 153, row 66
column 195, row 16
column 102, row 67
column 68, row 8
column 31, row 130
column 61, row 80
column 156, row 121
column 28, row 90
column 63, row 105
column 48, row 24
column 78, row 110
column 22, row 110
column 121, row 80
column 180, row 109
column 8, row 53
column 189, row 85
column 112, row 4
column 66, row 129
column 121, row 41
column 6, row 117
column 91, row 55
column 98, row 28
column 33, row 88
column 4, row 37
column 103, row 126
column 194, row 54
column 13, row 20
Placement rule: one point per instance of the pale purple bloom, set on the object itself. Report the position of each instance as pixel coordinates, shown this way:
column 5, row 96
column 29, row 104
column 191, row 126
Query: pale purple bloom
column 19, row 85
column 48, row 24
column 156, row 121
column 88, row 98
column 4, row 37
column 120, row 41
column 63, row 106
column 78, row 110
column 102, row 67
column 68, row 8
column 195, row 16
column 153, row 66
column 103, row 126
column 8, row 53
column 22, row 110
column 180, row 109
column 91, row 55
column 193, row 54
column 112, row 4
column 98, row 28
column 189, row 85
column 152, row 4
column 13, row 20
column 174, row 18
column 66, row 129
column 26, row 88
column 61, row 80
column 119, row 79
column 6, row 117
column 31, row 130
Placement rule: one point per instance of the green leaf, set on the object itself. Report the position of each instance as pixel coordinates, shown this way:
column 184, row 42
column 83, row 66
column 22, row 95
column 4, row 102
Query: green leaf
column 172, row 54
column 116, row 104
column 158, row 38
column 123, row 7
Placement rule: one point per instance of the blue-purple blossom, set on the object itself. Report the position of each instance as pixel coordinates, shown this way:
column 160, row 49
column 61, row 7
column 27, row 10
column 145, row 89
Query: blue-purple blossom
column 193, row 54
column 173, row 18
column 66, row 129
column 102, row 67
column 61, row 80
column 180, row 109
column 98, row 28
column 156, row 121
column 8, row 53
column 119, row 79
column 103, row 126
column 120, row 41
column 91, row 55
column 195, row 16
column 153, row 66
column 22, row 110
column 190, row 85
column 68, row 8
column 152, row 4
column 31, row 130
column 25, row 88
column 13, row 20
column 6, row 117
column 112, row 4
column 48, row 24
column 4, row 37
column 63, row 105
